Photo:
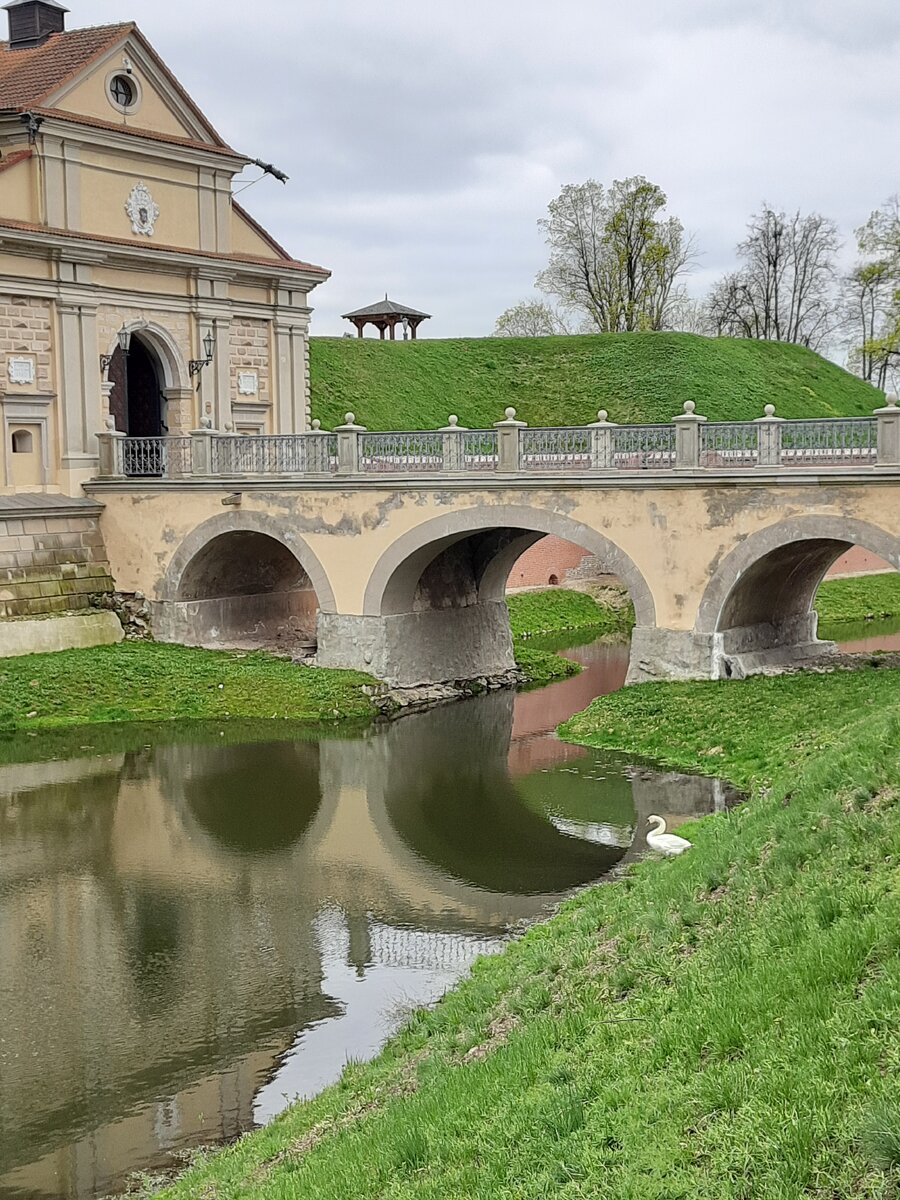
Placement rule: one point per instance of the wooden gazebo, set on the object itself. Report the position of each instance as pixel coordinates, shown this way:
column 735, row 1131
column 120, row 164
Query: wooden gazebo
column 387, row 314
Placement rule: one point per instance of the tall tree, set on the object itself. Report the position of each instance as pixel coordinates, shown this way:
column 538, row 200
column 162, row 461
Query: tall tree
column 614, row 259
column 785, row 289
column 529, row 318
column 872, row 296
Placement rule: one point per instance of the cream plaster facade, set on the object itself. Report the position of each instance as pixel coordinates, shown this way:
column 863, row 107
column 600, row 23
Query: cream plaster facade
column 718, row 568
column 73, row 270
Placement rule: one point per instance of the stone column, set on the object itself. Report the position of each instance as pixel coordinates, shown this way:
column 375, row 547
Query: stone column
column 111, row 446
column 179, row 409
column 508, row 443
column 769, row 427
column 453, row 445
column 348, row 445
column 78, row 364
column 602, row 442
column 889, row 433
column 201, row 449
column 687, row 438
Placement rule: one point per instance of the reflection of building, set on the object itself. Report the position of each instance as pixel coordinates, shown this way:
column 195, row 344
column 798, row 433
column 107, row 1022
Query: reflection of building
column 120, row 233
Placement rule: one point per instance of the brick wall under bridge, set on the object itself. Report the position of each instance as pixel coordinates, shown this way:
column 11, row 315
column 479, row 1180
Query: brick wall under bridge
column 409, row 574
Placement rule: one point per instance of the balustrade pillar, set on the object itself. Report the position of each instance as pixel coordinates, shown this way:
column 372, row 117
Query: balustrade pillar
column 453, row 445
column 201, row 448
column 508, row 443
column 602, row 441
column 318, row 461
column 111, row 452
column 889, row 433
column 768, row 452
column 348, row 445
column 687, row 438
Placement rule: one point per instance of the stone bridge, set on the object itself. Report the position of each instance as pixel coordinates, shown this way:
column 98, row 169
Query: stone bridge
column 393, row 550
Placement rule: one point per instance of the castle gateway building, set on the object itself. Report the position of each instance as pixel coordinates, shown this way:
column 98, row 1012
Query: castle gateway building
column 135, row 293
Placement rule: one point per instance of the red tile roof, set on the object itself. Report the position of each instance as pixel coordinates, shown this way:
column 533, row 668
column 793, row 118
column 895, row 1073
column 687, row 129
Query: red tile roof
column 252, row 259
column 17, row 156
column 28, row 76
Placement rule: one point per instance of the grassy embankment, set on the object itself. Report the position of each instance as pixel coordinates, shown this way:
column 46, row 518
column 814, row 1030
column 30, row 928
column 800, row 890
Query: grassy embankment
column 637, row 377
column 860, row 598
column 716, row 1027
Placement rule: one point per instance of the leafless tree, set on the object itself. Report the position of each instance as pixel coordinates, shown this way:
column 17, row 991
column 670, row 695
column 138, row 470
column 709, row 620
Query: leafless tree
column 612, row 258
column 530, row 318
column 785, row 291
column 872, row 297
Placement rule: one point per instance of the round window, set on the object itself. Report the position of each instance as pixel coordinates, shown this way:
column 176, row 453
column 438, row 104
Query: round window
column 122, row 91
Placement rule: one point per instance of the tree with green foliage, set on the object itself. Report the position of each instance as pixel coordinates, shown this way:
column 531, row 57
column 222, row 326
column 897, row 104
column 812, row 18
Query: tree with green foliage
column 614, row 259
column 872, row 296
column 529, row 318
column 785, row 290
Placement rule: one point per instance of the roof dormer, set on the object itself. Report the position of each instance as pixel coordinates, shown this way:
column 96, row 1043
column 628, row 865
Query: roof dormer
column 31, row 22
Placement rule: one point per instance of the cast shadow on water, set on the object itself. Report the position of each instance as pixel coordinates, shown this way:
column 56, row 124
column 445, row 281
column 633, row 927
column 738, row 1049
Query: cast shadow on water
column 196, row 921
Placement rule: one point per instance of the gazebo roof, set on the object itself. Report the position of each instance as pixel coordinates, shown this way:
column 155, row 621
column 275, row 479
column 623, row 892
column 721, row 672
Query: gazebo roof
column 386, row 308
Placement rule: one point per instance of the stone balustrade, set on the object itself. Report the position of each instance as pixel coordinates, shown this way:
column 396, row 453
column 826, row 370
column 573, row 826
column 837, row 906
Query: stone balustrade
column 512, row 448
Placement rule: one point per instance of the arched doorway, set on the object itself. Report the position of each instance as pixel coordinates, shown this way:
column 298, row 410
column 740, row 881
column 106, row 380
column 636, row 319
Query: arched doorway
column 137, row 400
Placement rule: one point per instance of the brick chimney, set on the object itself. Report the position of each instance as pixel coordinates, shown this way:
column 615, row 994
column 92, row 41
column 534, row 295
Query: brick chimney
column 31, row 22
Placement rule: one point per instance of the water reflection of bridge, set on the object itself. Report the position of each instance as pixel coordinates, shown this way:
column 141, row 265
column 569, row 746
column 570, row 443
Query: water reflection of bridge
column 157, row 913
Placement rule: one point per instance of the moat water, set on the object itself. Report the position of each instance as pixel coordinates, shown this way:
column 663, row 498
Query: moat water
column 200, row 924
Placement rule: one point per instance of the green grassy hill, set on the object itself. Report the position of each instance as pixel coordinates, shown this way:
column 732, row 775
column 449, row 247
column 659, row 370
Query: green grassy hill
column 637, row 377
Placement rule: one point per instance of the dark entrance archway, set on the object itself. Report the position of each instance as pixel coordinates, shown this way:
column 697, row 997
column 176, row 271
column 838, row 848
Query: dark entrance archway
column 137, row 399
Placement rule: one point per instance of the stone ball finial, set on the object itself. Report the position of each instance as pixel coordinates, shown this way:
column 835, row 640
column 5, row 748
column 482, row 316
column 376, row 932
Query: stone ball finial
column 892, row 399
column 316, row 425
column 229, row 427
column 689, row 407
column 110, row 423
column 349, row 418
column 205, row 423
column 510, row 414
column 602, row 415
column 453, row 420
column 770, row 410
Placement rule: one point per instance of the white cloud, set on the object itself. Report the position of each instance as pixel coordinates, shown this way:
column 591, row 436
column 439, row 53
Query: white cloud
column 424, row 140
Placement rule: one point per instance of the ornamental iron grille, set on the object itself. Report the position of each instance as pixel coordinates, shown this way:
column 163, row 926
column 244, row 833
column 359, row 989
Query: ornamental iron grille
column 848, row 441
column 401, row 452
column 729, row 444
column 155, row 457
column 643, row 447
column 555, row 449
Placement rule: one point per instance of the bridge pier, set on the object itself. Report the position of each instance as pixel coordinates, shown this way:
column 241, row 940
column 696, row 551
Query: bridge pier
column 434, row 645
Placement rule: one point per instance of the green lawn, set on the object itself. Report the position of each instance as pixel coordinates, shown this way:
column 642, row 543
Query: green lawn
column 717, row 1027
column 144, row 681
column 558, row 610
column 637, row 377
column 860, row 598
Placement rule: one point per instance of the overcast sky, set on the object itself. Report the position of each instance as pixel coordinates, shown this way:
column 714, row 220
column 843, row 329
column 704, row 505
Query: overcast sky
column 424, row 140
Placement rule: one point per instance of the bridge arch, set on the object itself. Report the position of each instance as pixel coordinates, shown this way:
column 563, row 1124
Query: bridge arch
column 242, row 578
column 759, row 604
column 492, row 538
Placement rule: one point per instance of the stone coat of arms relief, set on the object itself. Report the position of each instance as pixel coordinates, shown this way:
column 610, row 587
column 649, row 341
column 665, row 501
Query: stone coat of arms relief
column 142, row 210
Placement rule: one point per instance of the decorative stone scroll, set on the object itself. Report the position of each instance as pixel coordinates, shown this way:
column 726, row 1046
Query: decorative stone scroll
column 142, row 210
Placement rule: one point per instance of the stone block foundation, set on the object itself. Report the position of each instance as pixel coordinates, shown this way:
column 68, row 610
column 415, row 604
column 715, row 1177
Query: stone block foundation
column 420, row 648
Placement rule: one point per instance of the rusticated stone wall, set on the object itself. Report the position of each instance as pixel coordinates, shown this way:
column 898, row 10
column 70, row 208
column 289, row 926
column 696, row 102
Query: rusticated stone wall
column 50, row 562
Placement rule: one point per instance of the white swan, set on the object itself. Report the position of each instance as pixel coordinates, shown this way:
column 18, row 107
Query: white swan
column 665, row 843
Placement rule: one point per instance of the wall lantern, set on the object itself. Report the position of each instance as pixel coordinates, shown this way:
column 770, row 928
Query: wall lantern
column 196, row 365
column 124, row 339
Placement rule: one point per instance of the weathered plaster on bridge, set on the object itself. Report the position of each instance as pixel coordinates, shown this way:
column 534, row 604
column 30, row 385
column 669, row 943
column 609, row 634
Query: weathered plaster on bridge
column 409, row 577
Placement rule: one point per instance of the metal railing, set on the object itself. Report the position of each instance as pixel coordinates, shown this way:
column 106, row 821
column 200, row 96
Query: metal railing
column 838, row 441
column 286, row 454
column 402, row 452
column 563, row 448
column 155, row 457
column 729, row 444
column 689, row 443
column 643, row 447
